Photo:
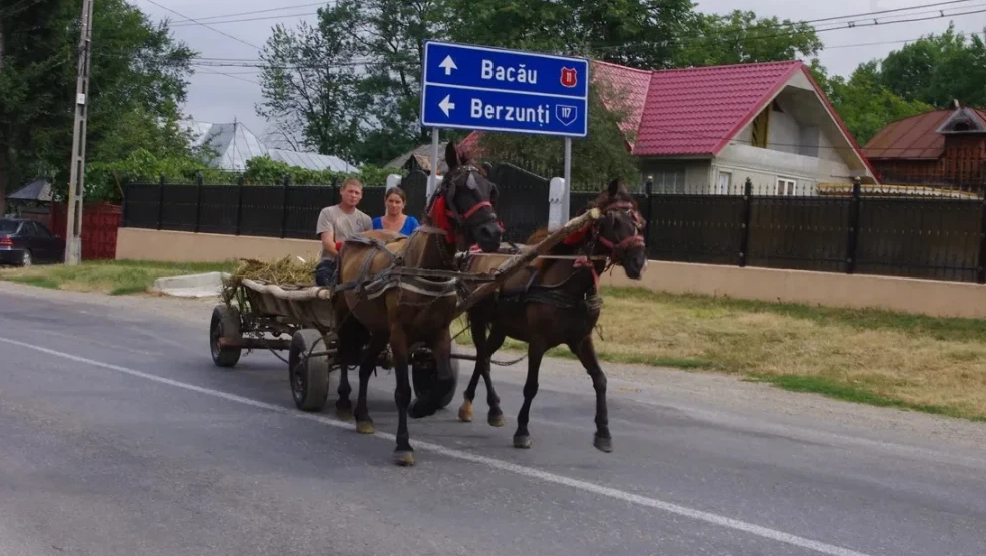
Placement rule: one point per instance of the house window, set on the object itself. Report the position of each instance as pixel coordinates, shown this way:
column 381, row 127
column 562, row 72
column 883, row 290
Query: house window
column 725, row 180
column 786, row 186
column 759, row 129
column 669, row 180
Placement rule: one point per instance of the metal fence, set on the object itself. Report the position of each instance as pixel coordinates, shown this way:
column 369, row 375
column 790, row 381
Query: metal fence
column 291, row 211
column 941, row 235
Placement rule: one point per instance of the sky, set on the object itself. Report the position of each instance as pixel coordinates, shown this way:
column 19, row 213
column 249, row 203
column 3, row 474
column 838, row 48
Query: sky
column 221, row 98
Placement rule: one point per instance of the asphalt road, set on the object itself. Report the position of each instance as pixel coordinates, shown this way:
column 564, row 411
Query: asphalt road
column 119, row 437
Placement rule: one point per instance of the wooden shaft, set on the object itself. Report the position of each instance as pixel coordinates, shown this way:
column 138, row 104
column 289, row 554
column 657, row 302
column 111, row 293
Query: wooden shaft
column 515, row 263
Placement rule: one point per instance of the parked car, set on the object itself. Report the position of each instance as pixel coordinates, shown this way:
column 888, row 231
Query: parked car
column 25, row 242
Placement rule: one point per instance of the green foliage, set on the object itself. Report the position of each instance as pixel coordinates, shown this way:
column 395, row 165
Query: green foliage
column 262, row 170
column 137, row 84
column 938, row 69
column 741, row 38
column 863, row 102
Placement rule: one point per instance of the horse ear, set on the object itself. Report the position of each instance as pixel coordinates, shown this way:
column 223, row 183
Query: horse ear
column 451, row 156
column 614, row 187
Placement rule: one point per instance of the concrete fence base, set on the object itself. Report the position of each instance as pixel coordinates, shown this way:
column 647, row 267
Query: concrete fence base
column 830, row 289
column 907, row 295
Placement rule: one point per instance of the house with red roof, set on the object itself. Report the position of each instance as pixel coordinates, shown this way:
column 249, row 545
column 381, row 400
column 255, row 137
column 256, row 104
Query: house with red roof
column 937, row 148
column 710, row 128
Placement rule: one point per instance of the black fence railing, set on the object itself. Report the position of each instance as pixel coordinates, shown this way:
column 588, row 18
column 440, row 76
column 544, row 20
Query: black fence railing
column 852, row 228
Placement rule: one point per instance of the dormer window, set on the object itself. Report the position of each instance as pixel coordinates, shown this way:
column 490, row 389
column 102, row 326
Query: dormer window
column 963, row 120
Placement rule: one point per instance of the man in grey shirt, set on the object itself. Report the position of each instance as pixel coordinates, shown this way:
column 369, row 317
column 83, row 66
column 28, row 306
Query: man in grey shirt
column 338, row 223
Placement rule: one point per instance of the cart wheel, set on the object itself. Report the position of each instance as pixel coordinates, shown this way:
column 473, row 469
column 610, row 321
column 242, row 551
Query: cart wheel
column 225, row 325
column 424, row 375
column 309, row 376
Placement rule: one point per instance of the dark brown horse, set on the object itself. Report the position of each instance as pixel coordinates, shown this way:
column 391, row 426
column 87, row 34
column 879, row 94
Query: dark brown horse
column 395, row 301
column 556, row 301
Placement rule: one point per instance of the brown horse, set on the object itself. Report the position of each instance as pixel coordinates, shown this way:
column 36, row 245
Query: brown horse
column 394, row 299
column 556, row 302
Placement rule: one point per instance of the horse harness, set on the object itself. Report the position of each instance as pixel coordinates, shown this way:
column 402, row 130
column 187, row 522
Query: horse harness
column 430, row 283
column 589, row 300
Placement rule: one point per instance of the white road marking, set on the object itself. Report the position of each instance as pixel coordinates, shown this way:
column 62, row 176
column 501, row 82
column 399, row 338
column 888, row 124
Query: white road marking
column 530, row 472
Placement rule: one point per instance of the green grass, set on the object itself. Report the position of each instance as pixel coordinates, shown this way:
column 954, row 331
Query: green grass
column 840, row 391
column 123, row 277
column 876, row 357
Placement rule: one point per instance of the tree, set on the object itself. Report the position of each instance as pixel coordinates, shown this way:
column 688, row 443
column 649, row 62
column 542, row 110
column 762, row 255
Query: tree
column 309, row 87
column 939, row 69
column 351, row 86
column 138, row 76
column 863, row 102
column 740, row 38
column 628, row 32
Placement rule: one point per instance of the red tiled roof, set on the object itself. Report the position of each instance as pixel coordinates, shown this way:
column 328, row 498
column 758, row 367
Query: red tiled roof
column 696, row 111
column 692, row 111
column 626, row 93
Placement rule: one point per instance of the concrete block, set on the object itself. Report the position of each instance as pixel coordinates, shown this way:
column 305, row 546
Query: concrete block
column 208, row 284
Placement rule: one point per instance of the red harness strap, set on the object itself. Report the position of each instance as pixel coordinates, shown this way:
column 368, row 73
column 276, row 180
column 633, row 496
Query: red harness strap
column 439, row 217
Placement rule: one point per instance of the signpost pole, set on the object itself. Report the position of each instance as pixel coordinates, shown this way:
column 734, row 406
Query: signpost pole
column 565, row 200
column 433, row 182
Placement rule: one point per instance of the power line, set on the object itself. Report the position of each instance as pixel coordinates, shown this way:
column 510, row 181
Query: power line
column 283, row 8
column 228, row 21
column 206, row 26
column 792, row 32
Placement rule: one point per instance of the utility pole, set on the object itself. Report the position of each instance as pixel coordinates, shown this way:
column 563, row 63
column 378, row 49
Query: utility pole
column 3, row 147
column 77, row 178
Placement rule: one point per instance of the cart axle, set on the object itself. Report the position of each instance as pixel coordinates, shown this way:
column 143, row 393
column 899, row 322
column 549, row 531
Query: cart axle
column 255, row 343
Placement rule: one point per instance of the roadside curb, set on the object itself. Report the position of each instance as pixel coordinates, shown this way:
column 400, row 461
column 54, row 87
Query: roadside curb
column 208, row 284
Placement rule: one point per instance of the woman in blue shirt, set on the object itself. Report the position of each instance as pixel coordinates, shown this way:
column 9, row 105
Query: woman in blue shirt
column 394, row 219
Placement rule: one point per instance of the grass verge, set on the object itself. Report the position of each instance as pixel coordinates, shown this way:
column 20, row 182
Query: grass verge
column 109, row 277
column 934, row 365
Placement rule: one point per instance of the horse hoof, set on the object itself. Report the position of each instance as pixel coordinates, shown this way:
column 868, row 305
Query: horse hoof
column 522, row 442
column 365, row 427
column 344, row 414
column 465, row 412
column 404, row 459
column 603, row 444
column 496, row 420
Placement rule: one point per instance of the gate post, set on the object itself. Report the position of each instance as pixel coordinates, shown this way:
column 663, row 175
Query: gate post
column 284, row 204
column 853, row 235
column 981, row 267
column 745, row 222
column 239, row 203
column 160, row 202
column 198, row 200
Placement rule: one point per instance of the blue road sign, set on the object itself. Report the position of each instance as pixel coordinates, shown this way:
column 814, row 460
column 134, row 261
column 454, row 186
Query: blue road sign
column 493, row 89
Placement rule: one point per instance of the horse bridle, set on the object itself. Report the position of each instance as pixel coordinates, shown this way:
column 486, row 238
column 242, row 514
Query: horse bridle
column 450, row 208
column 636, row 240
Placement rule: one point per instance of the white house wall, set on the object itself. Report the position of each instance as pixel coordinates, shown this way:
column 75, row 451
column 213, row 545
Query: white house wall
column 765, row 166
column 783, row 133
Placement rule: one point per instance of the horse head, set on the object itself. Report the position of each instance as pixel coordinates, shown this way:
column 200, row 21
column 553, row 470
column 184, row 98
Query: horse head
column 618, row 232
column 463, row 204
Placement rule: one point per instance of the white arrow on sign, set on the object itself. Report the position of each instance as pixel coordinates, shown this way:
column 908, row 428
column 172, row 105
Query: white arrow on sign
column 445, row 105
column 448, row 65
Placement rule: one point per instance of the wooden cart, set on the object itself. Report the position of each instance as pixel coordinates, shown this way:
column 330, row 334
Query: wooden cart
column 301, row 320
